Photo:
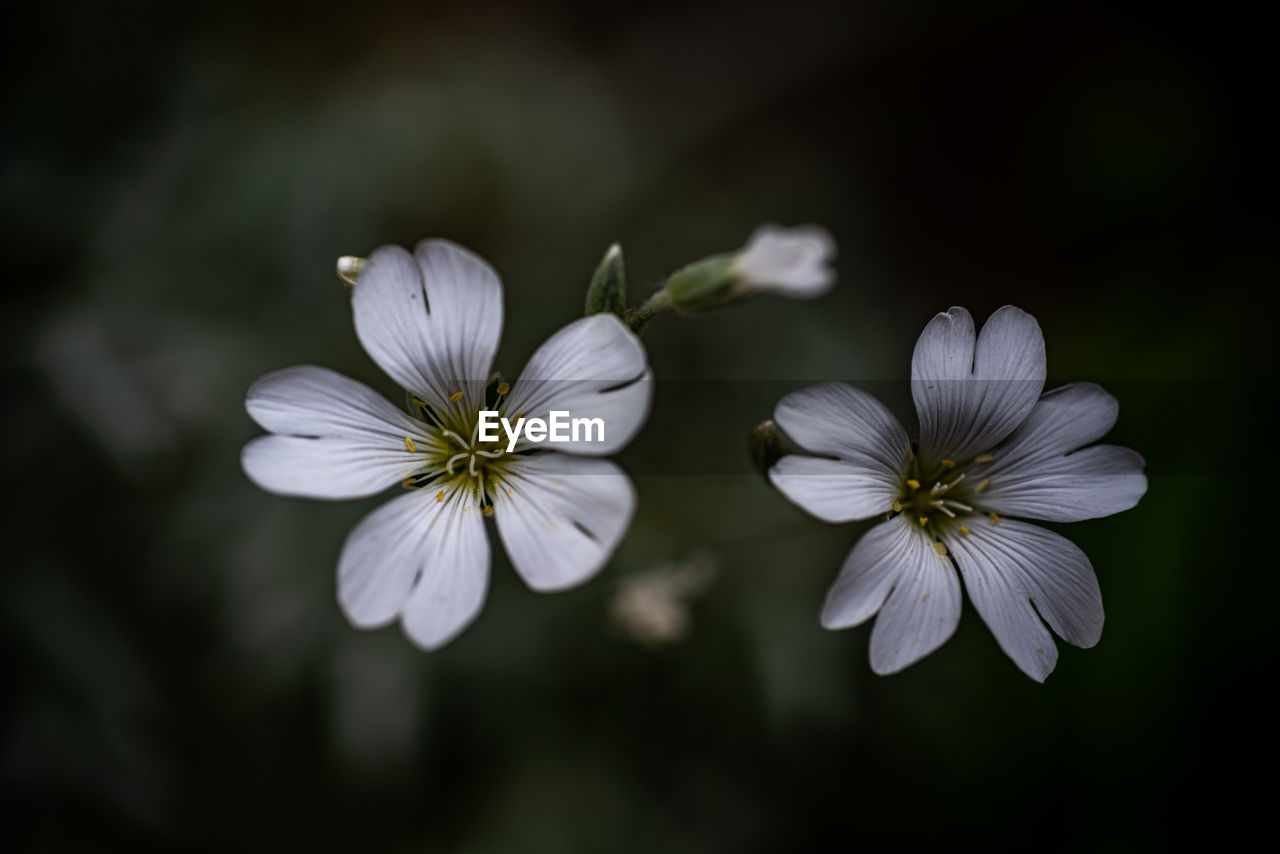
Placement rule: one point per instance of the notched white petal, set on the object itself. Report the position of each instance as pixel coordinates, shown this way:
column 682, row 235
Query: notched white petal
column 338, row 438
column 1088, row 484
column 1010, row 566
column 1038, row 473
column 972, row 391
column 325, row 468
column 837, row 420
column 834, row 490
column 594, row 368
column 431, row 320
column 1063, row 419
column 1002, row 598
column 921, row 613
column 869, row 573
column 422, row 558
column 306, row 400
column 561, row 517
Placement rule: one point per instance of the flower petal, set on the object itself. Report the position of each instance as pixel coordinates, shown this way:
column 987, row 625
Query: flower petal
column 1039, row 474
column 593, row 368
column 793, row 262
column 837, row 420
column 1063, row 419
column 834, row 490
column 341, row 439
column 923, row 610
column 1088, row 484
column 333, row 469
column 971, row 394
column 1002, row 600
column 562, row 516
column 419, row 558
column 431, row 320
column 1011, row 562
column 869, row 573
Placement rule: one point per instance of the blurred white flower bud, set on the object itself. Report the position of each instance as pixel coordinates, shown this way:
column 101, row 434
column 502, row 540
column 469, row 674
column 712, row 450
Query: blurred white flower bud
column 792, row 262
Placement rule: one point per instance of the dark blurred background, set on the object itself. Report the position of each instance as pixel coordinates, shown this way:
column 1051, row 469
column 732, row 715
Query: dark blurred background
column 177, row 182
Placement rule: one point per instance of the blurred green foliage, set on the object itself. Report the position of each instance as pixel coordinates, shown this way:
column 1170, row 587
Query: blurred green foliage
column 177, row 183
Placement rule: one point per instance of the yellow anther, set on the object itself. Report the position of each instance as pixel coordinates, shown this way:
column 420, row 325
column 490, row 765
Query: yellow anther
column 440, row 496
column 455, row 397
column 982, row 484
column 487, row 510
column 924, row 520
column 983, row 458
column 418, row 402
column 964, row 529
column 948, row 464
column 994, row 518
column 897, row 507
column 939, row 548
column 504, row 387
column 913, row 483
column 408, row 443
column 925, row 597
column 408, row 481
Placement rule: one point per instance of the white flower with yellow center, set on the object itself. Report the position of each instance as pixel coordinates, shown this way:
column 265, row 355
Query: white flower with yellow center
column 432, row 320
column 991, row 446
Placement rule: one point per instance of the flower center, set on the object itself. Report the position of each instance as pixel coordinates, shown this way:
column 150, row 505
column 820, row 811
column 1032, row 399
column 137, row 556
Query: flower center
column 457, row 458
column 943, row 495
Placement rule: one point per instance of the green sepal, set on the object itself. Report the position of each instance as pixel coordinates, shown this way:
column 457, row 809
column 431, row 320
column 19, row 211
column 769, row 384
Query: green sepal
column 705, row 285
column 608, row 288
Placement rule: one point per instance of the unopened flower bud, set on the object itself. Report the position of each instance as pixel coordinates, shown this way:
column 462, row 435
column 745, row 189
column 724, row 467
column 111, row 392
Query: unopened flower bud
column 792, row 262
column 349, row 267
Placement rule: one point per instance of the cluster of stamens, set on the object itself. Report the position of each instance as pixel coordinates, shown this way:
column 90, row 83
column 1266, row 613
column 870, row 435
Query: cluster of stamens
column 943, row 492
column 453, row 454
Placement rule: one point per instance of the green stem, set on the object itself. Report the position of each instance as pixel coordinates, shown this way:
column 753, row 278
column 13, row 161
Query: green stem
column 657, row 304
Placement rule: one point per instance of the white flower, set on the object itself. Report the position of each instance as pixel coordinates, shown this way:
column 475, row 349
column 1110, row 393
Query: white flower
column 991, row 445
column 432, row 321
column 794, row 262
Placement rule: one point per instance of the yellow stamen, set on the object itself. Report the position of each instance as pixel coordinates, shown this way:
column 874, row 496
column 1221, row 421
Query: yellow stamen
column 455, row 397
column 487, row 510
column 418, row 402
column 504, row 387
column 440, row 496
column 939, row 548
column 408, row 481
column 964, row 530
column 897, row 507
column 913, row 483
column 982, row 484
column 994, row 518
column 924, row 520
column 408, row 443
column 983, row 458
column 948, row 464
column 925, row 597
